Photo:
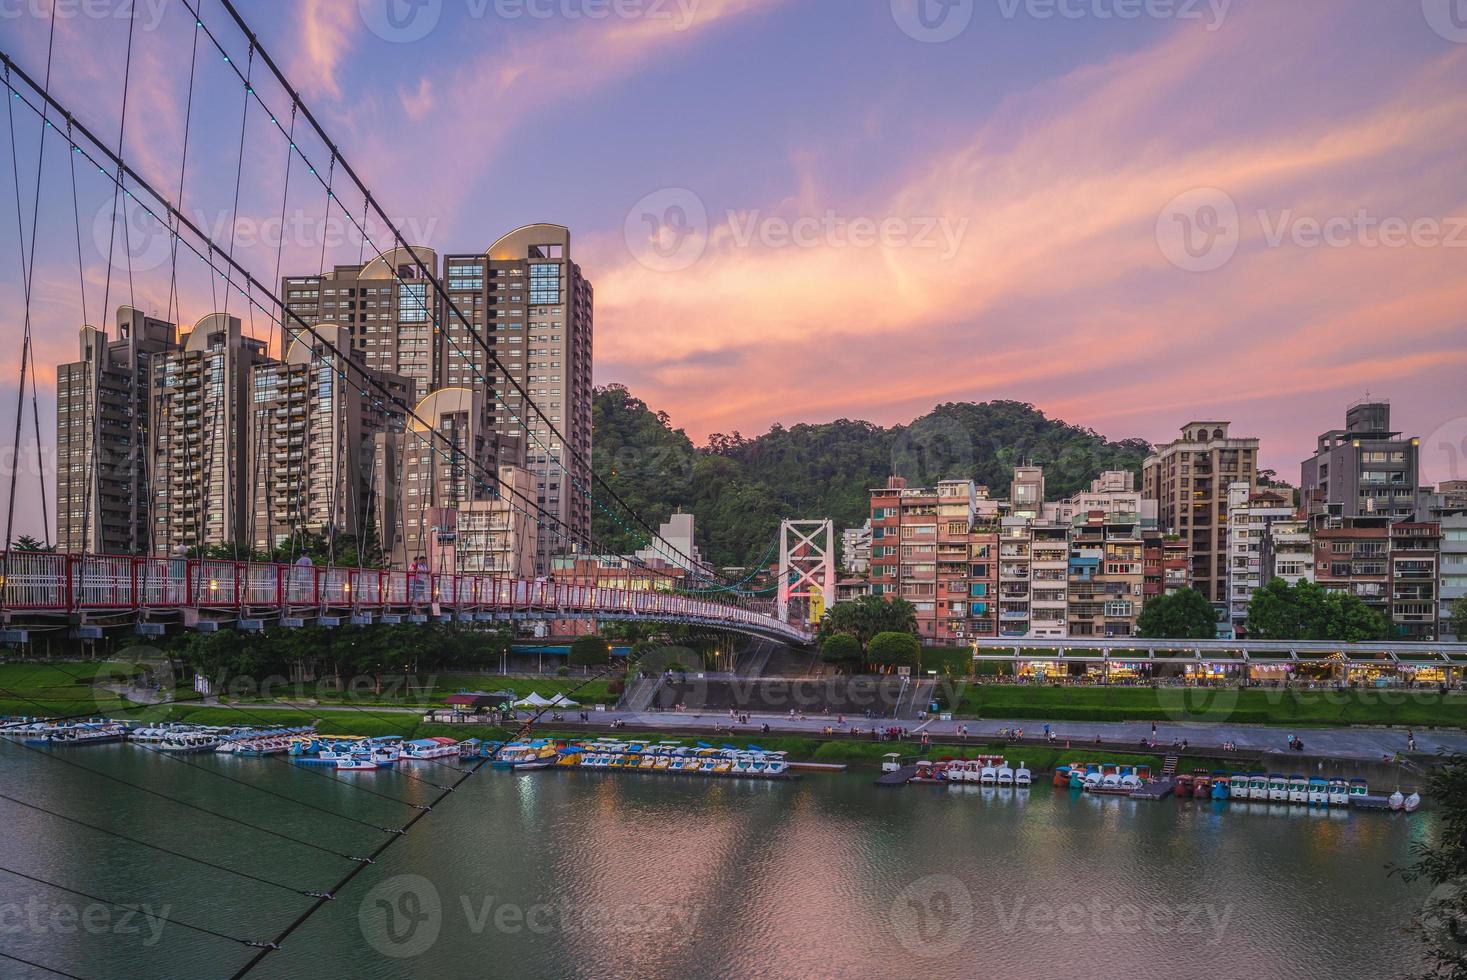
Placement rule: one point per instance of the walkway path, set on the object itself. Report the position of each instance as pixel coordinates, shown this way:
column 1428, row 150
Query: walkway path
column 1356, row 743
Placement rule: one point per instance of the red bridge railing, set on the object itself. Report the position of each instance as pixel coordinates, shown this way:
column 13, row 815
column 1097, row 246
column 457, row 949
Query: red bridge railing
column 41, row 582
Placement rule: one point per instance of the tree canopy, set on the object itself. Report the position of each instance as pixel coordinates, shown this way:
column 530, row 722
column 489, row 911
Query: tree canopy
column 1459, row 618
column 867, row 616
column 590, row 651
column 1181, row 615
column 893, row 649
column 1441, row 923
column 1280, row 611
column 843, row 650
column 404, row 648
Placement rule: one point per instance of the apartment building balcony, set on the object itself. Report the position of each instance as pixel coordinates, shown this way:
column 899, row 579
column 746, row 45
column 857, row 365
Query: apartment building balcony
column 1013, row 573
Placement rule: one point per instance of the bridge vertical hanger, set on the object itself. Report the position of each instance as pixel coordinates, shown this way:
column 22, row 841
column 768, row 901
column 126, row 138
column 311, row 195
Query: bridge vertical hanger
column 806, row 564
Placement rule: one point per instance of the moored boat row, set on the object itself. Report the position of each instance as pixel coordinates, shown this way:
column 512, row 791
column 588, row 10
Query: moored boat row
column 672, row 757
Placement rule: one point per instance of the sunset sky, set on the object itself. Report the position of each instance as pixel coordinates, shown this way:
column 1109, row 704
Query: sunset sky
column 802, row 210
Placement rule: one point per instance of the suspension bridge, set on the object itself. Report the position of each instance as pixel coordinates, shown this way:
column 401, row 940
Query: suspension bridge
column 101, row 593
column 153, row 593
column 190, row 464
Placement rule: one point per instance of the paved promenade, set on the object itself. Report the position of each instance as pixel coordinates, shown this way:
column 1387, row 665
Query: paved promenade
column 1352, row 743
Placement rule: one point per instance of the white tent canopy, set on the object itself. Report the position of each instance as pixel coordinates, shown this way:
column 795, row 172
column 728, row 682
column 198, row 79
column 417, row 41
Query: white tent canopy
column 535, row 700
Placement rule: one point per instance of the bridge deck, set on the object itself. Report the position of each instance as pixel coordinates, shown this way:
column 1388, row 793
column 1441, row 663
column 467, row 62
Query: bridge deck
column 36, row 585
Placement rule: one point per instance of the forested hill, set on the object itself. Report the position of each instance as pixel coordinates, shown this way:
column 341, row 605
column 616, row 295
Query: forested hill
column 740, row 488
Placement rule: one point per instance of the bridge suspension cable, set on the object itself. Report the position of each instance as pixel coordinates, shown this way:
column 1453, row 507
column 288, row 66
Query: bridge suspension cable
column 210, row 249
column 256, row 47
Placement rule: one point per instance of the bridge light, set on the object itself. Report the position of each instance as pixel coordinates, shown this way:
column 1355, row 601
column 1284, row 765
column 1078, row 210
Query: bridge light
column 346, row 587
column 213, row 585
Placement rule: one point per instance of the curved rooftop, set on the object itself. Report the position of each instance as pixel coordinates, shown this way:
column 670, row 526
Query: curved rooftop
column 301, row 350
column 442, row 402
column 385, row 266
column 516, row 244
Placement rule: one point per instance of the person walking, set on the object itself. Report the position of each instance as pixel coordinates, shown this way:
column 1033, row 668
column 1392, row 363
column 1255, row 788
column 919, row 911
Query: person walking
column 304, row 577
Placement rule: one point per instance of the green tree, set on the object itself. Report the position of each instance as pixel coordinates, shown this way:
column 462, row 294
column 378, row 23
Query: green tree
column 1275, row 612
column 843, row 650
column 867, row 616
column 590, row 651
column 1181, row 615
column 1441, row 924
column 1459, row 619
column 893, row 649
column 1280, row 611
column 27, row 543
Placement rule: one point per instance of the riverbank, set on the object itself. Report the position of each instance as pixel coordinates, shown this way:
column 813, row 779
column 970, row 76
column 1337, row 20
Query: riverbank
column 1323, row 706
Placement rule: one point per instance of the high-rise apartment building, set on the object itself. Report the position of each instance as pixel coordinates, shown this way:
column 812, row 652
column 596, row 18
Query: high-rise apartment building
column 1188, row 478
column 525, row 302
column 448, row 463
column 388, row 306
column 488, row 537
column 528, row 301
column 315, row 432
column 1365, row 468
column 199, row 436
column 104, row 406
column 1249, row 517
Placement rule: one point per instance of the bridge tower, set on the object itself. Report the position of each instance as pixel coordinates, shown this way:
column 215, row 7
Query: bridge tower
column 806, row 566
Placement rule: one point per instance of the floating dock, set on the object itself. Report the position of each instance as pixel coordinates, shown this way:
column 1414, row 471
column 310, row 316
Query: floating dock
column 1158, row 789
column 898, row 778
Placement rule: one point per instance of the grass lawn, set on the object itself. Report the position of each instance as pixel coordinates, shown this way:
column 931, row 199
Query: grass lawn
column 429, row 690
column 1252, row 706
column 61, row 688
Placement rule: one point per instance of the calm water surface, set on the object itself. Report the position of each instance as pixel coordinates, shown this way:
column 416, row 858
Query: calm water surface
column 582, row 874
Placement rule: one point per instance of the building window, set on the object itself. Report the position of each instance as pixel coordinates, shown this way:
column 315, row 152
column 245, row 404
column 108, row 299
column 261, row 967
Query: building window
column 412, row 302
column 544, row 284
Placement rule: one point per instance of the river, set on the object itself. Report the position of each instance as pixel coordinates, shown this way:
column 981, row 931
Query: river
column 586, row 874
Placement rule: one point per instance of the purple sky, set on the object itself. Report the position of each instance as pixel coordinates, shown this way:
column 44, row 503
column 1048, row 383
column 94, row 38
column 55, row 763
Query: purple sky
column 800, row 210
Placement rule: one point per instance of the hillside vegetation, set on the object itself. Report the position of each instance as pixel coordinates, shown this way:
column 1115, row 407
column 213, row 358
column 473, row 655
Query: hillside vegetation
column 740, row 487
